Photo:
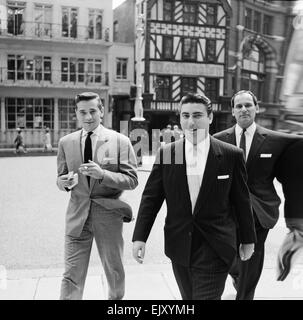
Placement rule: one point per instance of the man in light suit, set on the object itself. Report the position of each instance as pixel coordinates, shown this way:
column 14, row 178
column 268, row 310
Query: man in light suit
column 262, row 149
column 97, row 164
column 200, row 178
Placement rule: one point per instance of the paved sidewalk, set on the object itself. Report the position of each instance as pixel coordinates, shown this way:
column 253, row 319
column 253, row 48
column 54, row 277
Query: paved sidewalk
column 143, row 282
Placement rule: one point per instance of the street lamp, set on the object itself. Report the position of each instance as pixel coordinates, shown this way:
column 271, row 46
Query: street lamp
column 138, row 101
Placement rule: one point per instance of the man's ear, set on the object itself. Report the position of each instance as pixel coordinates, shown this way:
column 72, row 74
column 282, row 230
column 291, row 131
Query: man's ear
column 211, row 117
column 257, row 108
column 233, row 112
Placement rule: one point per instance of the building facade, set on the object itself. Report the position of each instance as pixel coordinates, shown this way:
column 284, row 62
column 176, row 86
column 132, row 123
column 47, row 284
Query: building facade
column 260, row 34
column 50, row 50
column 215, row 48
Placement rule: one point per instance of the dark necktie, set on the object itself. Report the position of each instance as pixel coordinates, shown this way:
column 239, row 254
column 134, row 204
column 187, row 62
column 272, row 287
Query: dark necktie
column 243, row 143
column 88, row 151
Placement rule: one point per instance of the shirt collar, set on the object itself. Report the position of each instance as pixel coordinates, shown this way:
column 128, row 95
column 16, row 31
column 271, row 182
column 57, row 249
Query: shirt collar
column 201, row 146
column 250, row 130
column 97, row 131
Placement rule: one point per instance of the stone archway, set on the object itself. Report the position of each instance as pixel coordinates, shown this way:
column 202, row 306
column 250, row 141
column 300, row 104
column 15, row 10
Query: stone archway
column 269, row 52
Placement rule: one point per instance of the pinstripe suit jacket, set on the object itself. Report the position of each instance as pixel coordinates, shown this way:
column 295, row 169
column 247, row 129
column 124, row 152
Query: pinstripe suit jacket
column 213, row 217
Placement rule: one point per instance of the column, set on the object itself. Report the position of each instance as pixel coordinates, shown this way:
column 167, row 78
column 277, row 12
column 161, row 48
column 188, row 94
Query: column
column 56, row 122
column 2, row 114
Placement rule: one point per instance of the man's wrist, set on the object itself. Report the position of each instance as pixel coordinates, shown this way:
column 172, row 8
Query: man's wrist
column 102, row 176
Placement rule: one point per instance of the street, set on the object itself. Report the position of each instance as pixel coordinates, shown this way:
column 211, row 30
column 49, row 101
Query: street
column 33, row 215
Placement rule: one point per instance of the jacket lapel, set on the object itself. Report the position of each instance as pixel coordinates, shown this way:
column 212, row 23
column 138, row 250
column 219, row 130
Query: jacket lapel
column 78, row 156
column 210, row 173
column 179, row 173
column 231, row 136
column 256, row 144
column 101, row 140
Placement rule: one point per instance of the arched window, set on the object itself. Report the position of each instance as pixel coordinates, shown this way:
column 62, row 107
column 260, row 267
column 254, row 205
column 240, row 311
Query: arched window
column 253, row 71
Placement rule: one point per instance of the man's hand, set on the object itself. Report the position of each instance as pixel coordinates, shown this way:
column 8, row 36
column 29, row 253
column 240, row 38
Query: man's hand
column 91, row 169
column 246, row 251
column 67, row 180
column 139, row 251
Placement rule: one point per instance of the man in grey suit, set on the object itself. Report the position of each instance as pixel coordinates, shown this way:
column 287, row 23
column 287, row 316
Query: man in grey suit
column 96, row 164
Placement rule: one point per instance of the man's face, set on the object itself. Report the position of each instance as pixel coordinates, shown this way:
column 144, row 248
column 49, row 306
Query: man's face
column 244, row 109
column 195, row 121
column 88, row 114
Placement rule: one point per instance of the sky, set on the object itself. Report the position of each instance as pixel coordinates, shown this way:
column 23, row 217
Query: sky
column 116, row 3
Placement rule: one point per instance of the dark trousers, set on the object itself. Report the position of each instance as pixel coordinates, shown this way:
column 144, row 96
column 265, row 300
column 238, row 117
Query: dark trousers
column 205, row 278
column 246, row 274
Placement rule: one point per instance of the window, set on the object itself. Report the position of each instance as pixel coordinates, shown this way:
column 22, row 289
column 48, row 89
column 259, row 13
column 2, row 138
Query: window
column 253, row 71
column 248, row 18
column 121, row 71
column 167, row 10
column 29, row 113
column 79, row 70
column 95, row 24
column 211, row 16
column 190, row 49
column 257, row 21
column 212, row 89
column 267, row 24
column 67, row 115
column 43, row 20
column 163, row 88
column 190, row 13
column 116, row 29
column 167, row 50
column 69, row 22
column 15, row 17
column 94, row 71
column 188, row 85
column 23, row 68
column 210, row 54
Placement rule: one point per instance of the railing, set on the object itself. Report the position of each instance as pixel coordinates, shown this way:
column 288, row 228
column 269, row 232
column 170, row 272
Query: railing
column 53, row 78
column 53, row 31
column 172, row 106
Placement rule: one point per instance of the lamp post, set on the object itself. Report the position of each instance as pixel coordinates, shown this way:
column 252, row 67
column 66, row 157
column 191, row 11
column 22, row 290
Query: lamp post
column 138, row 101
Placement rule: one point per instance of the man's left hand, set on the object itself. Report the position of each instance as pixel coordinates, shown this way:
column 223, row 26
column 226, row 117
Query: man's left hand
column 246, row 250
column 91, row 169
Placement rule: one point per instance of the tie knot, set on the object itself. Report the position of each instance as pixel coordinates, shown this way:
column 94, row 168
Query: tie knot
column 243, row 130
column 89, row 133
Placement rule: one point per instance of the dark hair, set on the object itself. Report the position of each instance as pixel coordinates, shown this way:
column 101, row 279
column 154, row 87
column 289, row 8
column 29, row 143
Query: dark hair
column 87, row 96
column 232, row 101
column 197, row 98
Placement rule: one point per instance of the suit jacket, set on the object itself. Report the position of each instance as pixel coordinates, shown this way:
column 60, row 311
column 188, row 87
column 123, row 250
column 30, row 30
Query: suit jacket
column 212, row 217
column 289, row 171
column 115, row 154
column 266, row 148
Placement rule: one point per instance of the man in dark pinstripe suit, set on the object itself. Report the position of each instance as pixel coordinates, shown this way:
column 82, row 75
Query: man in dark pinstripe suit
column 201, row 179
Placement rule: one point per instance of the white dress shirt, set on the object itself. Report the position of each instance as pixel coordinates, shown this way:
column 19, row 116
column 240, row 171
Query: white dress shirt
column 249, row 134
column 94, row 138
column 195, row 157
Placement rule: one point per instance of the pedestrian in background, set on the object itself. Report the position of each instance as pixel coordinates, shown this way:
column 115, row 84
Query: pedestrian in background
column 19, row 142
column 47, row 145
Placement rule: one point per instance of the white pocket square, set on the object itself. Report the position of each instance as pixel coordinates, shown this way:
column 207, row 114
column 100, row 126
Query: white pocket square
column 265, row 155
column 223, row 177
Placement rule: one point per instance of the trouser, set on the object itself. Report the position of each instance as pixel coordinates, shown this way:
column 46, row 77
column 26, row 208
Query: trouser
column 106, row 228
column 205, row 278
column 246, row 274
